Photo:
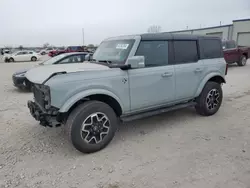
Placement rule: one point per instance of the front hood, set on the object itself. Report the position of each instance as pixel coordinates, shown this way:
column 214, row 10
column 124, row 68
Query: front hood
column 42, row 73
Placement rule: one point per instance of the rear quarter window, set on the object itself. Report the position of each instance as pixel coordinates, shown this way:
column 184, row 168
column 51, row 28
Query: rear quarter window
column 212, row 48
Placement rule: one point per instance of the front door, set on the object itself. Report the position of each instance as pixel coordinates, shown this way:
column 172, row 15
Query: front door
column 24, row 56
column 188, row 69
column 153, row 85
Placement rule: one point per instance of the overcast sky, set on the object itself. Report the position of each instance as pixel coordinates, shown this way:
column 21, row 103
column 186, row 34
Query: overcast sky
column 60, row 22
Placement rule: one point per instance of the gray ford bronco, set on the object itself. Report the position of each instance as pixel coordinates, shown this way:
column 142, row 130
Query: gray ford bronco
column 129, row 77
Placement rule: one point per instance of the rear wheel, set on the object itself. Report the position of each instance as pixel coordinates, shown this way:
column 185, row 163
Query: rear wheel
column 33, row 59
column 243, row 61
column 210, row 99
column 91, row 126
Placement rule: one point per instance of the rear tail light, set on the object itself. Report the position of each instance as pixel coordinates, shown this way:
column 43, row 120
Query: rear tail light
column 226, row 69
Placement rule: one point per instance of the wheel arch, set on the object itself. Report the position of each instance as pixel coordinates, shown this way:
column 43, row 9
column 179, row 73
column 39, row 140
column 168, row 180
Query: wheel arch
column 104, row 96
column 245, row 54
column 211, row 77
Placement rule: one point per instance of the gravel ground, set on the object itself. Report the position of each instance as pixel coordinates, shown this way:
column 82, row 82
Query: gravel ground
column 176, row 149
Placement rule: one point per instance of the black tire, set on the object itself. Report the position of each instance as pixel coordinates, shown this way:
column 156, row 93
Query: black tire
column 33, row 58
column 79, row 115
column 243, row 61
column 204, row 107
column 11, row 59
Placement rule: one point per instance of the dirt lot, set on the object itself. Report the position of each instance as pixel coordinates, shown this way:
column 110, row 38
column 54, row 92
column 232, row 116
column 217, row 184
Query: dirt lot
column 178, row 149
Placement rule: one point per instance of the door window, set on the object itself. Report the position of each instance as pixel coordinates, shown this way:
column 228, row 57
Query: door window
column 155, row 53
column 185, row 52
column 22, row 53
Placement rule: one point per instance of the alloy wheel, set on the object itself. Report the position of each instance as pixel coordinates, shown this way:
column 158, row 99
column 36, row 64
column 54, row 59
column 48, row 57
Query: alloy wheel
column 213, row 99
column 95, row 128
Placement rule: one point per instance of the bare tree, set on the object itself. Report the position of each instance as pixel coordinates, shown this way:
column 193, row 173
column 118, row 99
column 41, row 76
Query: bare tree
column 20, row 47
column 46, row 45
column 154, row 29
column 91, row 45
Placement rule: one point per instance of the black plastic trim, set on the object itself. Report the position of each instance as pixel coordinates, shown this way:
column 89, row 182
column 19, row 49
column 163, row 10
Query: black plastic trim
column 156, row 111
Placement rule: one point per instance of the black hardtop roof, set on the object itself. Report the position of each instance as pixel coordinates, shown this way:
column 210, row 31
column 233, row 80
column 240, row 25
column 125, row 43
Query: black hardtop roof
column 171, row 36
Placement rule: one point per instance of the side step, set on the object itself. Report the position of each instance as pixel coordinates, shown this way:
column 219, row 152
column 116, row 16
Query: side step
column 156, row 112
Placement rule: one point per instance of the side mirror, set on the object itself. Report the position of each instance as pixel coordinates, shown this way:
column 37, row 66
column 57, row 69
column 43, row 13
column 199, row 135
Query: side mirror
column 136, row 62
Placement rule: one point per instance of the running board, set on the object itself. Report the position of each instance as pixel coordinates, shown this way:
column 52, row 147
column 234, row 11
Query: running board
column 156, row 112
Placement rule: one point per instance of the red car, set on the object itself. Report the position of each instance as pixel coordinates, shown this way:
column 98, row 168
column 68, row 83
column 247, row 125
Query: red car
column 234, row 53
column 57, row 51
column 67, row 50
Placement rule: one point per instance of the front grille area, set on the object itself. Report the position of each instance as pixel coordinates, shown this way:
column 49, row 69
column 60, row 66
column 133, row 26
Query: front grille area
column 38, row 95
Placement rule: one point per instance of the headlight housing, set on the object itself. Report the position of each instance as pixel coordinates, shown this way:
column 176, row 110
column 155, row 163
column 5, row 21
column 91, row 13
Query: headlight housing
column 46, row 91
column 20, row 75
column 42, row 95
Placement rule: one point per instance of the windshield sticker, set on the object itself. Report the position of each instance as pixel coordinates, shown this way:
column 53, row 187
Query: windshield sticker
column 122, row 46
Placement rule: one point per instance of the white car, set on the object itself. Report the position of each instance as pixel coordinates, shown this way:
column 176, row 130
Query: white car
column 22, row 56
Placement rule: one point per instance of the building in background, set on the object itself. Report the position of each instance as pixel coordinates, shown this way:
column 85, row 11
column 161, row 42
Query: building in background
column 238, row 31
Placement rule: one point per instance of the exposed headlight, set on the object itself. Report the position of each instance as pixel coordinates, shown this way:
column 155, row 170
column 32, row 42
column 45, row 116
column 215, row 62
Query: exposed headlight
column 42, row 94
column 46, row 91
column 20, row 75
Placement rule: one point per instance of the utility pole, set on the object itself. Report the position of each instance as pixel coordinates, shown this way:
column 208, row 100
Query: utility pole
column 83, row 36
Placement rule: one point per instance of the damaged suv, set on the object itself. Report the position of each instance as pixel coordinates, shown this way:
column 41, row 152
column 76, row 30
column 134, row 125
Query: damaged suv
column 129, row 77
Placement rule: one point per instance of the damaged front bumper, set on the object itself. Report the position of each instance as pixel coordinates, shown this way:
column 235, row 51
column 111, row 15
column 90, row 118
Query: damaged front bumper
column 46, row 118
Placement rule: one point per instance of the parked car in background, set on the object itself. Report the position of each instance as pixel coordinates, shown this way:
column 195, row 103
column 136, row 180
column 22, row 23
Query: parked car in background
column 129, row 77
column 23, row 55
column 66, row 50
column 234, row 53
column 5, row 51
column 47, row 50
column 74, row 49
column 20, row 81
column 42, row 52
column 57, row 51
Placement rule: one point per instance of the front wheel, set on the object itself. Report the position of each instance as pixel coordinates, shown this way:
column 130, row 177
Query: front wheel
column 91, row 126
column 210, row 99
column 243, row 61
column 11, row 60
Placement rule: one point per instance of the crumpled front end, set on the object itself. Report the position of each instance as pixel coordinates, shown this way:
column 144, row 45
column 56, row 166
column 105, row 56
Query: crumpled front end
column 41, row 108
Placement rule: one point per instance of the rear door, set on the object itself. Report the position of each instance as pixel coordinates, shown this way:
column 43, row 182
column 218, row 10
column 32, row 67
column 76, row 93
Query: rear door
column 188, row 68
column 26, row 56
